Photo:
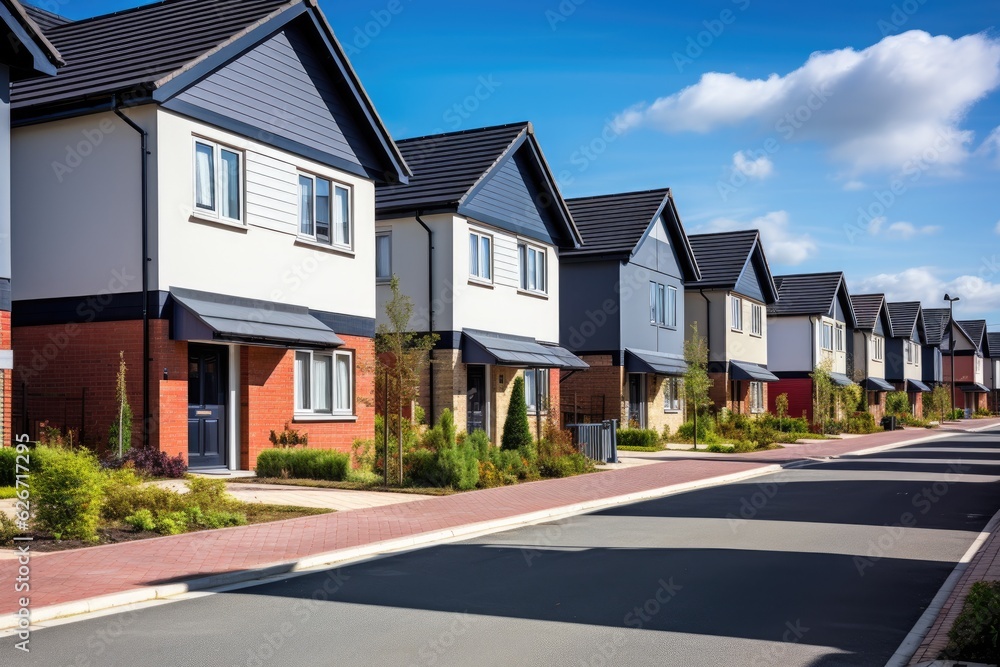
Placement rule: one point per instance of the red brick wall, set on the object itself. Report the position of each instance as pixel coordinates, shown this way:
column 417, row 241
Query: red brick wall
column 6, row 384
column 592, row 391
column 267, row 398
column 555, row 395
column 799, row 392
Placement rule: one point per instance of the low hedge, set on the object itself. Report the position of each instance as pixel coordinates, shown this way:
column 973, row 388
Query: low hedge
column 975, row 636
column 304, row 464
column 629, row 438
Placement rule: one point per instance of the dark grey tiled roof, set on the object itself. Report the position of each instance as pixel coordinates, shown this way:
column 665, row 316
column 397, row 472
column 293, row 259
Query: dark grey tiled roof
column 615, row 223
column 993, row 344
column 46, row 20
column 25, row 16
column 903, row 317
column 722, row 256
column 935, row 324
column 129, row 51
column 446, row 166
column 866, row 309
column 975, row 329
column 808, row 294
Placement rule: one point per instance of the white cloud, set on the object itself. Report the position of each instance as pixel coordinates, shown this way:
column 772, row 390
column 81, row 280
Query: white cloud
column 997, row 228
column 991, row 146
column 875, row 226
column 907, row 230
column 898, row 100
column 978, row 293
column 760, row 168
column 781, row 245
column 854, row 186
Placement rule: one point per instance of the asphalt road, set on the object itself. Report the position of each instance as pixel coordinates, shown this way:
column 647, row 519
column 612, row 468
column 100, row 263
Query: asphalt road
column 828, row 564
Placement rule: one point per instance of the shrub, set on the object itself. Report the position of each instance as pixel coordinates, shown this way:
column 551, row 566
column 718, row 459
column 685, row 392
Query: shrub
column 565, row 466
column 213, row 519
column 67, row 493
column 303, row 464
column 491, row 476
column 8, row 530
column 785, row 424
column 142, row 520
column 638, row 438
column 983, row 412
column 365, row 477
column 480, row 442
column 516, row 430
column 781, row 406
column 8, row 463
column 706, row 432
column 150, row 462
column 761, row 436
column 443, row 461
column 862, row 422
column 721, row 449
column 975, row 636
column 125, row 494
column 897, row 403
column 833, row 427
column 289, row 438
column 957, row 413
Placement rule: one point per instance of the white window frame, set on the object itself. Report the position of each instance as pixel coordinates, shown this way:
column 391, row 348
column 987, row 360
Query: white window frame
column 477, row 275
column 736, row 312
column 657, row 304
column 916, row 355
column 216, row 211
column 530, row 396
column 673, row 395
column 839, row 334
column 670, row 307
column 334, row 186
column 878, row 351
column 756, row 320
column 523, row 251
column 827, row 343
column 334, row 412
column 756, row 397
column 381, row 235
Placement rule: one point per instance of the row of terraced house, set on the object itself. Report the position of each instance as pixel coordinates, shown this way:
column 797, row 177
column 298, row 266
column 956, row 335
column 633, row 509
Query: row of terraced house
column 207, row 188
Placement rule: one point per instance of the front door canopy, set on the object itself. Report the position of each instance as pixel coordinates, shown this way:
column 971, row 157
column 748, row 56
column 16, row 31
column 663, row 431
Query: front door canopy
column 841, row 380
column 743, row 370
column 878, row 384
column 204, row 316
column 916, row 385
column 657, row 363
column 484, row 347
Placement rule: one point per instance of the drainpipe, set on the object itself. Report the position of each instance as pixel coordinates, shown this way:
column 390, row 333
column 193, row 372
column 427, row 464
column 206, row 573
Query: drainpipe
column 144, row 146
column 430, row 308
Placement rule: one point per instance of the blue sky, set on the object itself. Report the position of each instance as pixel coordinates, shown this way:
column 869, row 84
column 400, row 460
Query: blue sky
column 637, row 94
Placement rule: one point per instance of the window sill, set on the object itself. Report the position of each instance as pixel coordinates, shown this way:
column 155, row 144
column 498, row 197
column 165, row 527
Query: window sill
column 535, row 295
column 753, row 335
column 735, row 330
column 217, row 222
column 383, row 281
column 672, row 412
column 481, row 283
column 312, row 419
column 316, row 245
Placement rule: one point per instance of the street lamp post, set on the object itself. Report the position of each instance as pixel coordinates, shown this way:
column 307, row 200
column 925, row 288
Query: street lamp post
column 951, row 344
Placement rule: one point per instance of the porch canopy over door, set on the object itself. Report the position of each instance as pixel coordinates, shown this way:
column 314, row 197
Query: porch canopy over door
column 743, row 370
column 657, row 363
column 484, row 347
column 878, row 384
column 916, row 385
column 204, row 316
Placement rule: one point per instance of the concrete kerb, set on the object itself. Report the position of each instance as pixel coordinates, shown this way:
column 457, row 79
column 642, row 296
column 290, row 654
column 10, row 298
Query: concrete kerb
column 353, row 554
column 343, row 556
column 911, row 643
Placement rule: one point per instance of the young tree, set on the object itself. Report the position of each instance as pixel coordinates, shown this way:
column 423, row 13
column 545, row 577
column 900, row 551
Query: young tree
column 401, row 357
column 696, row 381
column 120, row 433
column 781, row 409
column 824, row 395
column 938, row 402
column 516, row 430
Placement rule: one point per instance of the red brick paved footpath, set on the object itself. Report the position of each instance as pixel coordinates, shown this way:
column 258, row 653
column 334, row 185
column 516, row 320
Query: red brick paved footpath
column 70, row 576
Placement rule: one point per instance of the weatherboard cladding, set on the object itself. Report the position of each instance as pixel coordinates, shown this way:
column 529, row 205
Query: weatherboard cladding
column 281, row 87
column 511, row 194
column 129, row 50
column 615, row 223
column 445, row 167
column 749, row 284
column 903, row 317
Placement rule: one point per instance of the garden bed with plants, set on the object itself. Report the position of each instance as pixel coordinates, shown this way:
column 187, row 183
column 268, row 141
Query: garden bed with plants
column 75, row 500
column 975, row 635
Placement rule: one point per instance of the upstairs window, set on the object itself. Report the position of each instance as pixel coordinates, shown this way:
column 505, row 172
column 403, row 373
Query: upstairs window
column 756, row 320
column 840, row 338
column 671, row 314
column 662, row 305
column 383, row 257
column 828, row 337
column 480, row 257
column 533, row 276
column 878, row 349
column 736, row 312
column 218, row 181
column 324, row 211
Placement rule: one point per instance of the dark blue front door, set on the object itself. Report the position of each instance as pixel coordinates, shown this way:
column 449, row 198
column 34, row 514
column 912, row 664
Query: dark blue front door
column 208, row 375
column 476, row 399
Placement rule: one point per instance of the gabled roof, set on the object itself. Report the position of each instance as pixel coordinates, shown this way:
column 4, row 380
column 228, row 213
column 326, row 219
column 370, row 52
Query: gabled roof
column 449, row 168
column 723, row 258
column 993, row 344
column 904, row 316
column 25, row 47
column 154, row 52
column 975, row 330
column 616, row 225
column 45, row 19
column 811, row 294
column 936, row 324
column 867, row 308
